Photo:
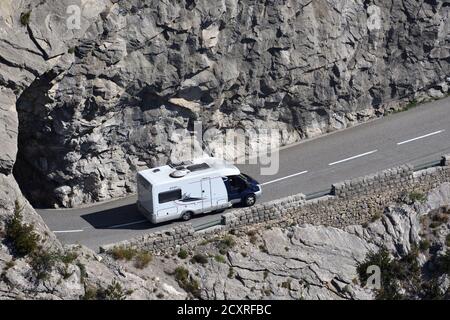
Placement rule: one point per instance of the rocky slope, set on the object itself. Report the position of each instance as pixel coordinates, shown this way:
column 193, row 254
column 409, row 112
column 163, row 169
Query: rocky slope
column 91, row 100
column 317, row 262
column 257, row 262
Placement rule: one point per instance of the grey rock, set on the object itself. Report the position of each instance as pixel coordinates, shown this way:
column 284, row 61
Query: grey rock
column 99, row 102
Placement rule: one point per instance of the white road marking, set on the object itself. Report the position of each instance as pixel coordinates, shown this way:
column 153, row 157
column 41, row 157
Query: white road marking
column 284, row 178
column 127, row 224
column 421, row 137
column 354, row 157
column 68, row 231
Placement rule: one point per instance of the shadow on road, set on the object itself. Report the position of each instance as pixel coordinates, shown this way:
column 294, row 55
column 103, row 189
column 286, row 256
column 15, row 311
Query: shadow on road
column 127, row 217
column 123, row 217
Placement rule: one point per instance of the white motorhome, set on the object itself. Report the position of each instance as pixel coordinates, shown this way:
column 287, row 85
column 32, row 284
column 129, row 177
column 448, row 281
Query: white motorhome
column 200, row 186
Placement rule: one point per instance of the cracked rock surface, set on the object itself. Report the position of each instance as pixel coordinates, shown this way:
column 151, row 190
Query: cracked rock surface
column 98, row 102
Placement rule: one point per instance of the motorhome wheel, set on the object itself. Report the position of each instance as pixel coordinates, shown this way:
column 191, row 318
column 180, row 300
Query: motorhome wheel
column 186, row 216
column 250, row 200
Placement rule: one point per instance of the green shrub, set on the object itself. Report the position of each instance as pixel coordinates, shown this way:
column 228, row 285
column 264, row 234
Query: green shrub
column 199, row 258
column 186, row 282
column 90, row 293
column 424, row 245
column 182, row 254
column 435, row 224
column 405, row 271
column 113, row 292
column 69, row 257
column 252, row 236
column 286, row 284
column 225, row 244
column 71, row 50
column 83, row 272
column 219, row 258
column 417, row 197
column 21, row 236
column 447, row 240
column 230, row 273
column 43, row 262
column 181, row 274
column 142, row 259
column 122, row 253
column 377, row 216
column 25, row 18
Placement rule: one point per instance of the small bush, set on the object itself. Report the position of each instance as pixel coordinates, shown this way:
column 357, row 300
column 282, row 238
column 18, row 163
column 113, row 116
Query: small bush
column 182, row 254
column 447, row 240
column 417, row 197
column 113, row 292
column 225, row 244
column 219, row 258
column 400, row 273
column 90, row 293
column 10, row 264
column 71, row 50
column 286, row 284
column 83, row 272
column 25, row 18
column 21, row 236
column 252, row 236
column 142, row 259
column 435, row 224
column 377, row 216
column 181, row 274
column 231, row 273
column 424, row 245
column 122, row 253
column 186, row 282
column 199, row 258
column 43, row 262
column 69, row 257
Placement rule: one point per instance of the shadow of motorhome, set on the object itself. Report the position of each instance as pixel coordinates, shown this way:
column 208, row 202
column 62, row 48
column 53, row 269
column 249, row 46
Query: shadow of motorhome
column 128, row 217
column 123, row 217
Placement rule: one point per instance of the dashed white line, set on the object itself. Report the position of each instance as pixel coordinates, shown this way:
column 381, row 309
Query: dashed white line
column 354, row 157
column 69, row 231
column 421, row 137
column 284, row 178
column 127, row 224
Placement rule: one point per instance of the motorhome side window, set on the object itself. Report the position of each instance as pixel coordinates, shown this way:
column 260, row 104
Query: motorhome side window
column 169, row 196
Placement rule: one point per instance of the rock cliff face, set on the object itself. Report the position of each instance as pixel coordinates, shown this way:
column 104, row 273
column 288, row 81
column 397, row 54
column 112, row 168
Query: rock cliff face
column 99, row 97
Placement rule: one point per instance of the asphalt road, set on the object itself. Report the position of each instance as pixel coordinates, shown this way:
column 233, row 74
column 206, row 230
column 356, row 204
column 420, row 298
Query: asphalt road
column 416, row 136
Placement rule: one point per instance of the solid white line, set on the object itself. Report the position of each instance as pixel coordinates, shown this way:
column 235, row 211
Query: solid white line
column 354, row 157
column 127, row 224
column 284, row 178
column 68, row 231
column 421, row 137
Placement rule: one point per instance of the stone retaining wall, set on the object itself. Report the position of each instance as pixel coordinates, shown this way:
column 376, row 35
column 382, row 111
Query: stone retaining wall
column 354, row 201
column 159, row 240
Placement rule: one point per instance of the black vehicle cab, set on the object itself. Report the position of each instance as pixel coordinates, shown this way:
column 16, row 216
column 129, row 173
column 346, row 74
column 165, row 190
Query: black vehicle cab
column 242, row 189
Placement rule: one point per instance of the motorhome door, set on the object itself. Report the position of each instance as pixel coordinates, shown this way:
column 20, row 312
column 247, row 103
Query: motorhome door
column 206, row 194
